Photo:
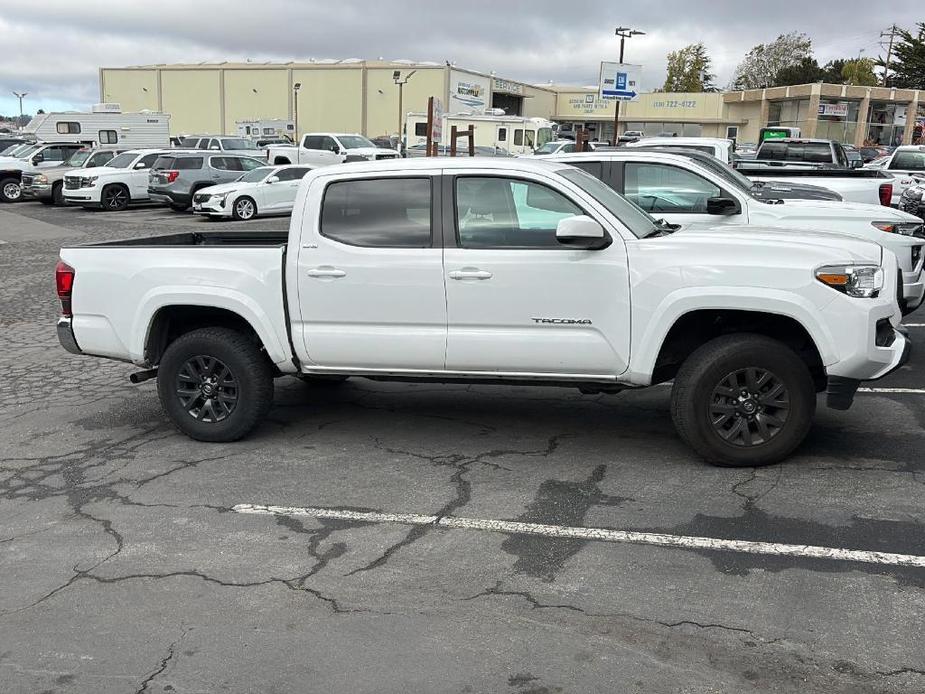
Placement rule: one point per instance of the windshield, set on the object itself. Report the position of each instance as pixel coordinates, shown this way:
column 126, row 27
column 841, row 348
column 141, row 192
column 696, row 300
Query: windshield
column 237, row 143
column 123, row 161
column 639, row 222
column 256, row 175
column 354, row 141
column 548, row 148
column 78, row 157
column 23, row 151
column 544, row 135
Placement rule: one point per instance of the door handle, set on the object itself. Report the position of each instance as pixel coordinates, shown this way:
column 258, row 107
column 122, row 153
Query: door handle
column 326, row 272
column 470, row 274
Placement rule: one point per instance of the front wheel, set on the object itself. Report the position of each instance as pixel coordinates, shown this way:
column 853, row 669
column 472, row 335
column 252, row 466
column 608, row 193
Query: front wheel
column 215, row 384
column 743, row 401
column 10, row 190
column 244, row 208
column 115, row 198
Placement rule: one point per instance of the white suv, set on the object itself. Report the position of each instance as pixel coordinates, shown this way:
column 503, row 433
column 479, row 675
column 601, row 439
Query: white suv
column 124, row 180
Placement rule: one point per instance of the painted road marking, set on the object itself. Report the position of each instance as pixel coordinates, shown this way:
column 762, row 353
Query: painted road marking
column 594, row 534
column 899, row 391
column 914, row 325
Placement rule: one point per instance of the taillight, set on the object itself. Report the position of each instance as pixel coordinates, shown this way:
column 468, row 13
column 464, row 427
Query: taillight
column 886, row 194
column 171, row 175
column 64, row 283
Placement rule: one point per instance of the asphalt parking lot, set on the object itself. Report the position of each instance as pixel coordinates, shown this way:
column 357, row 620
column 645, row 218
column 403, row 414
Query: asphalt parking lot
column 133, row 559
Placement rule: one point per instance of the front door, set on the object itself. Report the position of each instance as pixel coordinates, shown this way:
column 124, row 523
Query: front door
column 138, row 176
column 279, row 196
column 370, row 275
column 519, row 302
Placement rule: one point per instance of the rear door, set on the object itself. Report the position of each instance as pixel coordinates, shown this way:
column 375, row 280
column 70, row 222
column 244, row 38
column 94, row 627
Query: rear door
column 370, row 274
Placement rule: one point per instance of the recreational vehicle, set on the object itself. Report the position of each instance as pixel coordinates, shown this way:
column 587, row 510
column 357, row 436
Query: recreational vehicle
column 104, row 125
column 512, row 134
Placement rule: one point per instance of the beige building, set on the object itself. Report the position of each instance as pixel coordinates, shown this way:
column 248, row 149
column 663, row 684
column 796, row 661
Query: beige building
column 340, row 96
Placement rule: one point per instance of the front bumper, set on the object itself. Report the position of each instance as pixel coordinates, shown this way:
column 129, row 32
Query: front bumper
column 66, row 336
column 840, row 391
column 212, row 208
column 36, row 192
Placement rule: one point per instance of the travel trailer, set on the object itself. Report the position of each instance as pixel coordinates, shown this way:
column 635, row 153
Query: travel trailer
column 265, row 128
column 513, row 134
column 106, row 124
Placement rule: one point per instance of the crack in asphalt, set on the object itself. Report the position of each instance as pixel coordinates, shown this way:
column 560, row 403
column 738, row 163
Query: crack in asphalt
column 162, row 666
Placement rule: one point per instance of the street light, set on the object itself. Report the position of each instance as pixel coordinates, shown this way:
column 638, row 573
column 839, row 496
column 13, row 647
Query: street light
column 396, row 77
column 295, row 99
column 20, row 96
column 624, row 33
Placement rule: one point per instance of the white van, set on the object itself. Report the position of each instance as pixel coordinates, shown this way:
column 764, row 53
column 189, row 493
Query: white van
column 105, row 125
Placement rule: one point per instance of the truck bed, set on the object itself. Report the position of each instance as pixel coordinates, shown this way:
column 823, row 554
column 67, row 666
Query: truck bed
column 228, row 239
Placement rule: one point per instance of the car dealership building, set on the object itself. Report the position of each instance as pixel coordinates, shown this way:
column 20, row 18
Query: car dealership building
column 363, row 96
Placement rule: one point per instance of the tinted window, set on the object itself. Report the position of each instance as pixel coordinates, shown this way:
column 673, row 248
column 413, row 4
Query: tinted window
column 108, row 137
column 312, row 142
column 665, row 189
column 235, row 143
column 384, row 213
column 595, row 168
column 191, row 142
column 775, row 151
column 328, row 144
column 100, row 158
column 509, row 213
column 68, row 128
column 248, row 164
column 909, row 160
column 502, row 134
column 420, row 129
column 817, row 152
column 293, row 174
column 518, row 137
column 148, row 161
column 122, row 161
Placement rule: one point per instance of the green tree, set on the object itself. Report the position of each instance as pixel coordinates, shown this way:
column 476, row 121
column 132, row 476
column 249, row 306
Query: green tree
column 908, row 65
column 832, row 71
column 859, row 72
column 804, row 72
column 763, row 63
column 689, row 70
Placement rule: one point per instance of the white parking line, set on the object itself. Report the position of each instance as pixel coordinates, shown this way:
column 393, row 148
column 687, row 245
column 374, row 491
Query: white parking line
column 595, row 534
column 899, row 391
column 914, row 325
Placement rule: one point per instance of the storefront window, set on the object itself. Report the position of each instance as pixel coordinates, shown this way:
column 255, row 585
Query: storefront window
column 886, row 124
column 655, row 129
column 788, row 114
column 838, row 120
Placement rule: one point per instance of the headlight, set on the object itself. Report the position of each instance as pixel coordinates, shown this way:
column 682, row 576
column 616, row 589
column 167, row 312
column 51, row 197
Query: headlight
column 91, row 181
column 41, row 179
column 219, row 198
column 861, row 281
column 902, row 228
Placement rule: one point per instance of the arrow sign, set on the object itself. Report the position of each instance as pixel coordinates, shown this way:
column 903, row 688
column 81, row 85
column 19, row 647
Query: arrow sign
column 617, row 94
column 619, row 82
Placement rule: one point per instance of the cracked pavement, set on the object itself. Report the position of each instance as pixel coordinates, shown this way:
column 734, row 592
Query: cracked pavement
column 124, row 570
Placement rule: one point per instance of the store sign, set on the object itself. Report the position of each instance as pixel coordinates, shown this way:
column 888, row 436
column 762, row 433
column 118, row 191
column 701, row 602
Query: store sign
column 436, row 129
column 468, row 93
column 673, row 103
column 587, row 105
column 619, row 81
column 507, row 87
column 834, row 110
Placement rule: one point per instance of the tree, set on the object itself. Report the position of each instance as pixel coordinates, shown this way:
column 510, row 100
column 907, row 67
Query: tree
column 762, row 64
column 908, row 65
column 859, row 72
column 689, row 70
column 832, row 71
column 804, row 72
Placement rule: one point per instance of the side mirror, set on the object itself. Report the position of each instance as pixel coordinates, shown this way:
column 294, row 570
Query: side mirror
column 38, row 158
column 141, row 165
column 273, row 179
column 722, row 206
column 215, row 147
column 581, row 232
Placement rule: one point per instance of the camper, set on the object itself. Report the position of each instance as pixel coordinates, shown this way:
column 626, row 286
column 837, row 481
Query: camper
column 513, row 134
column 266, row 129
column 105, row 125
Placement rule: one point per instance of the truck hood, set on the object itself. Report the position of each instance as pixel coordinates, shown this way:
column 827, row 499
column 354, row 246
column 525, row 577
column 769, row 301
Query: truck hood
column 833, row 211
column 14, row 163
column 838, row 247
column 100, row 171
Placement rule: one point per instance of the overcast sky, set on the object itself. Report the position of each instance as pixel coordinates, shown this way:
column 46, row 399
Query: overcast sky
column 52, row 49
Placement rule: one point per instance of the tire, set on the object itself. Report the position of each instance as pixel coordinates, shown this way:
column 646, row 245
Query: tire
column 244, row 209
column 115, row 197
column 57, row 193
column 714, row 410
column 241, row 399
column 10, row 190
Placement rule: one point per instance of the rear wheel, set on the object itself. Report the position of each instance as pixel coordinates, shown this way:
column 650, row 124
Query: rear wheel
column 10, row 190
column 743, row 401
column 215, row 384
column 115, row 197
column 244, row 208
column 57, row 193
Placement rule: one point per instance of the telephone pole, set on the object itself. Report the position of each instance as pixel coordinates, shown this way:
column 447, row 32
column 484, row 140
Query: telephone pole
column 891, row 34
column 624, row 33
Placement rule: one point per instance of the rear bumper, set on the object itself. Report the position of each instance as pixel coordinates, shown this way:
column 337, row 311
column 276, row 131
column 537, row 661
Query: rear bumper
column 169, row 197
column 66, row 336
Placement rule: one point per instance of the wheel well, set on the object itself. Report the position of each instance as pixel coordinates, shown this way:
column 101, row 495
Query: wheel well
column 281, row 160
column 697, row 328
column 171, row 322
column 11, row 174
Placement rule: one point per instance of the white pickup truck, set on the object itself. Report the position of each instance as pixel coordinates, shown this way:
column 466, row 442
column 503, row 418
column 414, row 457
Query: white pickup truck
column 325, row 149
column 686, row 191
column 493, row 271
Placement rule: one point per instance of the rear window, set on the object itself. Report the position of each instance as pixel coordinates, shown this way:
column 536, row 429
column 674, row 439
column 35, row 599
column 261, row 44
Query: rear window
column 382, row 213
column 775, row 151
column 910, row 160
column 178, row 163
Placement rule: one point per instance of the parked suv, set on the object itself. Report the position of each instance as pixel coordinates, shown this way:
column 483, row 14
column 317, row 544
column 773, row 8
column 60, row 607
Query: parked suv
column 47, row 186
column 122, row 182
column 175, row 177
column 222, row 144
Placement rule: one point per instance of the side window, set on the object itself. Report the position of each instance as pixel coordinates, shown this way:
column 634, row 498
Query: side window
column 666, row 189
column 529, row 137
column 108, row 137
column 207, row 143
column 269, row 131
column 382, row 213
column 420, row 129
column 595, row 168
column 908, row 160
column 502, row 134
column 328, row 144
column 55, row 153
column 312, row 142
column 293, row 174
column 220, row 163
column 100, row 158
column 568, row 149
column 509, row 213
column 68, row 128
column 248, row 164
column 775, row 151
column 841, row 156
column 518, row 137
column 818, row 152
column 148, row 161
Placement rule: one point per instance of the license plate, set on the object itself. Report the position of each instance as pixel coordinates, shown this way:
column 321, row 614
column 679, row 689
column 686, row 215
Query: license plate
column 197, row 206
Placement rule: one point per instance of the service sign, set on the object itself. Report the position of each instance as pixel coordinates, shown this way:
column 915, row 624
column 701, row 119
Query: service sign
column 620, row 81
column 835, row 110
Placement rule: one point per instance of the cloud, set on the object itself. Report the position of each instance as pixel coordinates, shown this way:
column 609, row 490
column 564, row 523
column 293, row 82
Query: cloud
column 53, row 50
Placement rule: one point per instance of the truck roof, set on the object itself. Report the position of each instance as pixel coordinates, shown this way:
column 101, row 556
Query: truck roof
column 539, row 165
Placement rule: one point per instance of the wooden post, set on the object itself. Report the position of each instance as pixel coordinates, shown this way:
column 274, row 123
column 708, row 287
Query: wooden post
column 430, row 129
column 453, row 136
column 471, row 140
